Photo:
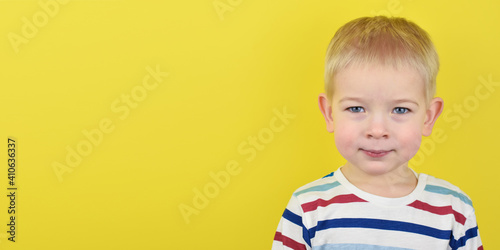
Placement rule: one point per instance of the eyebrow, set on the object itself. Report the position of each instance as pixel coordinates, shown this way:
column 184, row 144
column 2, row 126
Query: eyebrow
column 351, row 99
column 406, row 100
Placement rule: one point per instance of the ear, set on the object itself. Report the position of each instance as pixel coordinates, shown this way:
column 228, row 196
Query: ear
column 326, row 109
column 432, row 113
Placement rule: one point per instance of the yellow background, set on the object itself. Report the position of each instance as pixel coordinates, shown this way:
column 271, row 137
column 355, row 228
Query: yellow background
column 231, row 66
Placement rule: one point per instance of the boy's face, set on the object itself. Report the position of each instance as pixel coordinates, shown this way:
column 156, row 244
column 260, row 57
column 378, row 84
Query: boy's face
column 378, row 115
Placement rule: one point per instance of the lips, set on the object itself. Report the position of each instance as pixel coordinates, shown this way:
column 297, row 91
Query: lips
column 376, row 153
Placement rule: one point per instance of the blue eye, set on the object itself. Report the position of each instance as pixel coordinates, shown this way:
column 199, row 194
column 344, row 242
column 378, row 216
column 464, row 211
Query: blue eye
column 400, row 110
column 356, row 109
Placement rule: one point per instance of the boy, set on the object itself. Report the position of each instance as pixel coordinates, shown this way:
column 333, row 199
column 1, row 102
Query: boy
column 379, row 81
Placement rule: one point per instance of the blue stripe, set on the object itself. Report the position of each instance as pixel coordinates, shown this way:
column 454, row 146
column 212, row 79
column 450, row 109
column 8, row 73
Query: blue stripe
column 355, row 247
column 323, row 187
column 297, row 220
column 471, row 233
column 381, row 224
column 445, row 191
column 328, row 175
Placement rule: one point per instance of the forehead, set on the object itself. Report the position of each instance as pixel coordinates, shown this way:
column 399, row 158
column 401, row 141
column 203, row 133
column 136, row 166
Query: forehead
column 379, row 81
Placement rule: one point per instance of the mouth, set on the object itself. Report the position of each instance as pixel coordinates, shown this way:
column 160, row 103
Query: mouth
column 376, row 153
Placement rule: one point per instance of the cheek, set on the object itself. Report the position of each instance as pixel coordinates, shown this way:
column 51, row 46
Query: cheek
column 345, row 137
column 411, row 142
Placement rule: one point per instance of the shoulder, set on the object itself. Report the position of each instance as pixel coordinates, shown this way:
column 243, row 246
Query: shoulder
column 444, row 192
column 317, row 189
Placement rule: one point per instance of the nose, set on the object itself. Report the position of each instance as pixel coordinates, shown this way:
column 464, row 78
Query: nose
column 377, row 128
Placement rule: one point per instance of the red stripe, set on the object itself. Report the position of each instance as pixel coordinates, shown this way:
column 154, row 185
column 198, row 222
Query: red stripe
column 438, row 210
column 347, row 198
column 480, row 248
column 289, row 242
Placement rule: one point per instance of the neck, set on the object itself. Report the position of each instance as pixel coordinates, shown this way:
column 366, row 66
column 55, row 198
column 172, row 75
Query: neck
column 398, row 183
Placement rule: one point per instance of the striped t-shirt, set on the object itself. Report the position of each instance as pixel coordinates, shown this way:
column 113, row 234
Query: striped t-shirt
column 331, row 213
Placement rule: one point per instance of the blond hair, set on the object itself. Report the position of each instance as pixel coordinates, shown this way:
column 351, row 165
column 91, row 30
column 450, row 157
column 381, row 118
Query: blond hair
column 385, row 40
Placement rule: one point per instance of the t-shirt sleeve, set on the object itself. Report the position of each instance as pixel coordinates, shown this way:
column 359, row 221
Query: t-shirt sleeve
column 291, row 232
column 468, row 238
